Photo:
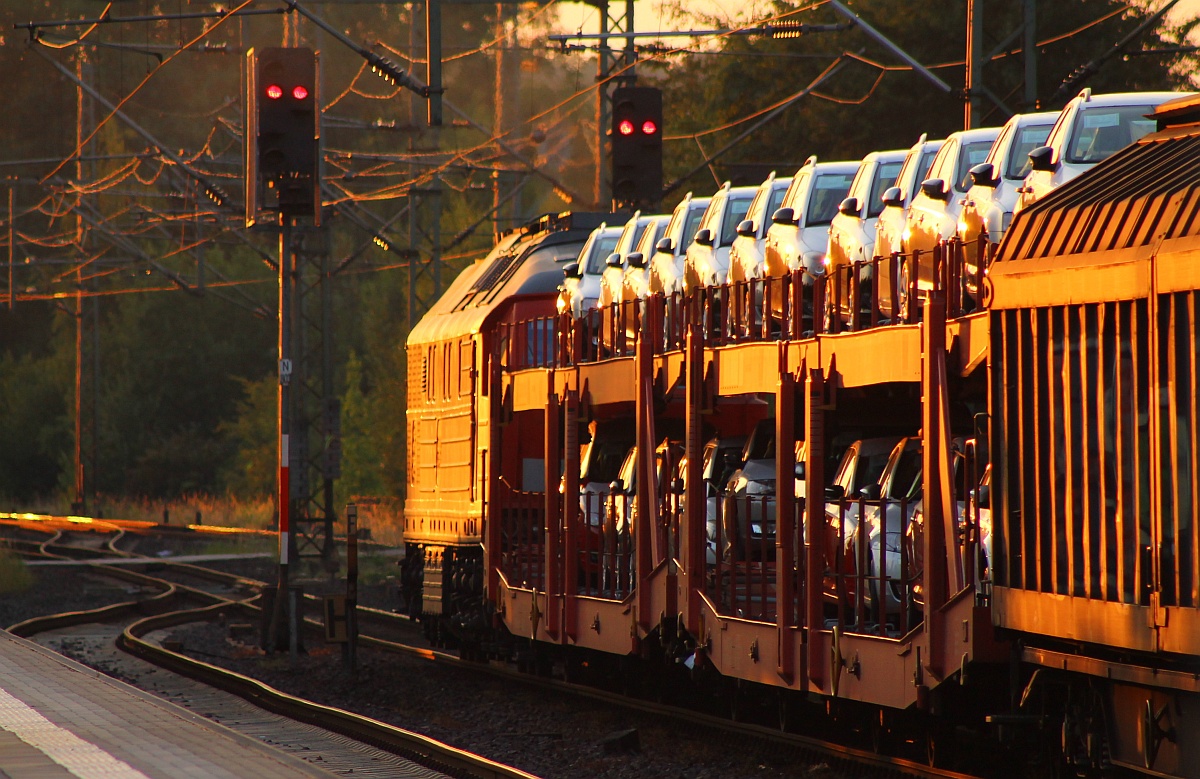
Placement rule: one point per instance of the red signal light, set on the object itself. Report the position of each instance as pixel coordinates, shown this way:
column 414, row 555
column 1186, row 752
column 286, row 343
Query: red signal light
column 274, row 91
column 649, row 127
column 299, row 92
column 625, row 127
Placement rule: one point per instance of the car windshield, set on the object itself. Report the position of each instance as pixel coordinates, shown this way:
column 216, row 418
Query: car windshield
column 601, row 248
column 870, row 468
column 602, row 461
column 885, row 176
column 972, row 154
column 736, row 208
column 829, row 189
column 1028, row 139
column 1102, row 131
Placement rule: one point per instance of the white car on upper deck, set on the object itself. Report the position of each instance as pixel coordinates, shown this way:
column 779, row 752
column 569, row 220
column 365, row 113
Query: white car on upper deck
column 1090, row 129
column 580, row 289
column 666, row 265
column 798, row 236
column 707, row 261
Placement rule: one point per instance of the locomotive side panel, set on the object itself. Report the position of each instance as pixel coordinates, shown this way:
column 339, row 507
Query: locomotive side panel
column 443, row 504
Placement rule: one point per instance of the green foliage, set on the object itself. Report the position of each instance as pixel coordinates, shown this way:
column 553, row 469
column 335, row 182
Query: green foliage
column 181, row 385
column 34, row 420
column 362, row 463
column 251, row 432
column 863, row 108
column 14, row 574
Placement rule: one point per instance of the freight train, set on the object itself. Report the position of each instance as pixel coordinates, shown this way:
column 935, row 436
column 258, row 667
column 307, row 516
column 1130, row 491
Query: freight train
column 978, row 517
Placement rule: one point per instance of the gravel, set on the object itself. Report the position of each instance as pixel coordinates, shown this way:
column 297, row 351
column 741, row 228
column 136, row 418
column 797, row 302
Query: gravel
column 550, row 734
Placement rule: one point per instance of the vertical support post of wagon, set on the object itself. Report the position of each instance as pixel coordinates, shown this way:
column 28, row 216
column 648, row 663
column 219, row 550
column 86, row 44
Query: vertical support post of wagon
column 570, row 507
column 695, row 508
column 554, row 507
column 941, row 555
column 814, row 520
column 647, row 546
column 785, row 512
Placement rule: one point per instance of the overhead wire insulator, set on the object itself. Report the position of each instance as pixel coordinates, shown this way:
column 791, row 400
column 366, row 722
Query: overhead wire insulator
column 385, row 68
column 785, row 29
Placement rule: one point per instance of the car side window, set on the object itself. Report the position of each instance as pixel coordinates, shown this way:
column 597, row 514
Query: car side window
column 908, row 170
column 1061, row 124
column 758, row 205
column 675, row 226
column 942, row 163
column 972, row 154
column 772, row 206
column 926, row 162
column 736, row 209
column 885, row 177
column 713, row 215
column 692, row 226
column 858, row 187
column 1028, row 138
column 795, row 194
column 1000, row 147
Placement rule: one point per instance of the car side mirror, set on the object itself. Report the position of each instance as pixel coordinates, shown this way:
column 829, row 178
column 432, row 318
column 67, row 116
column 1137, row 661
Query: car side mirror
column 571, row 271
column 704, row 237
column 665, row 244
column 784, row 216
column 869, row 492
column 892, row 196
column 983, row 497
column 934, row 189
column 614, row 260
column 615, row 486
column 746, row 227
column 849, row 207
column 636, row 260
column 800, row 469
column 835, row 492
column 984, row 175
column 1042, row 158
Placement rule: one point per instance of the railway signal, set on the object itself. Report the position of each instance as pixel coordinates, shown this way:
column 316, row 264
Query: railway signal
column 637, row 129
column 282, row 135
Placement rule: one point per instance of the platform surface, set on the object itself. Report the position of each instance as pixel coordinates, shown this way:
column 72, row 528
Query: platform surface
column 60, row 719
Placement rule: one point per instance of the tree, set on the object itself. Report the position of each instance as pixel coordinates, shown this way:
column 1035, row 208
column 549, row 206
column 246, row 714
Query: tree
column 863, row 108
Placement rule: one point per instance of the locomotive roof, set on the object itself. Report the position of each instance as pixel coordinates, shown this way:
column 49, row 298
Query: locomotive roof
column 1144, row 195
column 513, row 267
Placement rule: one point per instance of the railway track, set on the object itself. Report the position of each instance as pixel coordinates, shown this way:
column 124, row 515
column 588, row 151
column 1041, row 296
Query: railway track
column 165, row 611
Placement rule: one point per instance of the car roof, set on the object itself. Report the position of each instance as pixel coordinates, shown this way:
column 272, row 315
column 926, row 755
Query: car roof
column 1129, row 98
column 1041, row 117
column 977, row 134
column 892, row 155
column 841, row 166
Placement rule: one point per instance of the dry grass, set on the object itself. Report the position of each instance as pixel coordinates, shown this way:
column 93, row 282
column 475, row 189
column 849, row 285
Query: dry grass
column 382, row 517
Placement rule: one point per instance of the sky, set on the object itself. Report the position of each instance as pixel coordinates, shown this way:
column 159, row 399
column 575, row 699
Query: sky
column 649, row 15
